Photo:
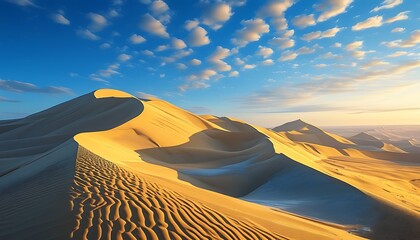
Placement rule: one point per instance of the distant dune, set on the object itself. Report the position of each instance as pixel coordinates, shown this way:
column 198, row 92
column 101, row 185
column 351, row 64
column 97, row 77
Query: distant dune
column 107, row 165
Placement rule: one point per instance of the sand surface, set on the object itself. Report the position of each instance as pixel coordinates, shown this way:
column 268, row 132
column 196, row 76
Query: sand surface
column 110, row 166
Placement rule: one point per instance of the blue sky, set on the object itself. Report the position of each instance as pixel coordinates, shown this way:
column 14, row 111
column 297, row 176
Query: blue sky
column 330, row 62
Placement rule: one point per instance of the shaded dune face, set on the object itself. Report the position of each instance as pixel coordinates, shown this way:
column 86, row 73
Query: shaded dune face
column 110, row 202
column 37, row 163
column 244, row 164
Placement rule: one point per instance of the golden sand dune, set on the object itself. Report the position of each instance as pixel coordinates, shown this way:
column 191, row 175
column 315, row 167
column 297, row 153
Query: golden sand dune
column 145, row 169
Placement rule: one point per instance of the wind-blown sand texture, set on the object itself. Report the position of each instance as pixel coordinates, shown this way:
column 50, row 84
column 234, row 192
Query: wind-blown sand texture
column 140, row 169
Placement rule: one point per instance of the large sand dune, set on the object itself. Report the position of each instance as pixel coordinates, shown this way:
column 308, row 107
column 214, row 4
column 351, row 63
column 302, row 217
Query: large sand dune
column 145, row 169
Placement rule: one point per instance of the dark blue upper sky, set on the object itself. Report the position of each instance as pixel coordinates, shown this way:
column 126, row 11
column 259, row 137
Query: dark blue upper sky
column 331, row 62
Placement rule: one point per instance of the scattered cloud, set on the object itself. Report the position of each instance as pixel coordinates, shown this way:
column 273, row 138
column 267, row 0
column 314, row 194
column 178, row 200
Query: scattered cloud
column 3, row 99
column 397, row 54
column 411, row 41
column 198, row 37
column 60, row 19
column 124, row 57
column 373, row 63
column 251, row 32
column 181, row 66
column 275, row 8
column 249, row 66
column 303, row 21
column 195, row 62
column 137, row 39
column 354, row 45
column 399, row 17
column 329, row 33
column 331, row 8
column 153, row 26
column 217, row 15
column 398, row 30
column 217, row 59
column 387, row 4
column 23, row 3
column 288, row 56
column 267, row 62
column 178, row 43
column 234, row 74
column 25, row 87
column 283, row 43
column 191, row 24
column 97, row 22
column 377, row 21
column 160, row 10
column 85, row 33
column 265, row 52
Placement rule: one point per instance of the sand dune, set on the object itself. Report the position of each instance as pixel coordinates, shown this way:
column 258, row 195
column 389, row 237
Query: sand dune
column 145, row 169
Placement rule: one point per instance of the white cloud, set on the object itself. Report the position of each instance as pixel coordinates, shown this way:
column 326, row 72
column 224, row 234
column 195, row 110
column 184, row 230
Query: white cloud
column 331, row 8
column 303, row 21
column 267, row 62
column 198, row 37
column 217, row 15
column 160, row 10
column 234, row 74
column 397, row 54
column 249, row 66
column 275, row 8
column 148, row 53
column 321, row 65
column 124, row 57
column 399, row 17
column 251, row 32
column 398, row 30
column 178, row 43
column 375, row 21
column 279, row 23
column 387, row 4
column 105, row 45
column 137, row 39
column 329, row 33
column 97, row 22
column 288, row 56
column 23, row 3
column 239, row 61
column 265, row 52
column 59, row 18
column 311, row 36
column 190, row 24
column 195, row 62
column 412, row 41
column 85, row 33
column 153, row 26
column 181, row 66
column 305, row 50
column 283, row 43
column 354, row 45
column 217, row 59
column 336, row 45
column 161, row 48
column 373, row 63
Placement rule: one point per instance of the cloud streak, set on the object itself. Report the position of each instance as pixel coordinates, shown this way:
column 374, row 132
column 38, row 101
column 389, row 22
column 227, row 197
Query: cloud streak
column 25, row 87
